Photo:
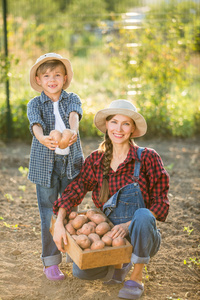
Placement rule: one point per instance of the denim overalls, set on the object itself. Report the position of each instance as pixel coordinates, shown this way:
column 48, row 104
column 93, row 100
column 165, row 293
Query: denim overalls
column 128, row 205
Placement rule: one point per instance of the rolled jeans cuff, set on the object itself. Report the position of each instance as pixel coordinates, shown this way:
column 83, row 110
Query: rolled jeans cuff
column 139, row 260
column 51, row 260
column 109, row 275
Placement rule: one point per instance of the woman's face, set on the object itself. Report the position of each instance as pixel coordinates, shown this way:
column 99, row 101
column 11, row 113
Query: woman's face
column 120, row 128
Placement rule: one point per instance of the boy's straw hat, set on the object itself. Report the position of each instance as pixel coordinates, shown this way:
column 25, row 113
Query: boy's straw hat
column 121, row 107
column 44, row 58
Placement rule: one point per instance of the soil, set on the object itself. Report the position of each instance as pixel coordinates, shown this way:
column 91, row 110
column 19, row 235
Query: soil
column 172, row 274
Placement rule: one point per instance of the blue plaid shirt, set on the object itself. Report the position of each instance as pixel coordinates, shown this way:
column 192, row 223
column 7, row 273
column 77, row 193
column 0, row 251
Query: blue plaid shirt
column 40, row 111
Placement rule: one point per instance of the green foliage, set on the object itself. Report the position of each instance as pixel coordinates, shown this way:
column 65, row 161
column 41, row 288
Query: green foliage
column 193, row 262
column 157, row 63
column 121, row 6
column 20, row 124
column 188, row 229
column 83, row 13
column 169, row 167
column 87, row 125
column 20, row 121
column 161, row 69
column 8, row 197
column 23, row 171
column 24, row 9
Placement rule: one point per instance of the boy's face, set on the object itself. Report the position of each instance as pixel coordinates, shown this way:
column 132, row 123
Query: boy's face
column 52, row 82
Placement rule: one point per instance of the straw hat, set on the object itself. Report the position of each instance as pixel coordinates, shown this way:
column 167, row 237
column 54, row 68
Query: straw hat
column 44, row 58
column 121, row 107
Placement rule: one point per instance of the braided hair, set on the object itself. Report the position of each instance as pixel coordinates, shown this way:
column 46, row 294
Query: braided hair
column 107, row 147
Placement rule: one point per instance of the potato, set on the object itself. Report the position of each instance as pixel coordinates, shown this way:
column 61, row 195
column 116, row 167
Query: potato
column 92, row 223
column 62, row 138
column 90, row 212
column 65, row 221
column 97, row 218
column 78, row 232
column 83, row 241
column 56, row 135
column 66, row 136
column 109, row 233
column 97, row 245
column 87, row 229
column 73, row 215
column 79, row 221
column 107, row 240
column 84, row 216
column 70, row 228
column 94, row 237
column 119, row 241
column 102, row 228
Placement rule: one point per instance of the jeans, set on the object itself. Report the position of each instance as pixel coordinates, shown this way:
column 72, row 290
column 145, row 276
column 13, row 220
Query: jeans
column 128, row 205
column 46, row 197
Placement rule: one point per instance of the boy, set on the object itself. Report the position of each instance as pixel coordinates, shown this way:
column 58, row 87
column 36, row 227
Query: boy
column 50, row 167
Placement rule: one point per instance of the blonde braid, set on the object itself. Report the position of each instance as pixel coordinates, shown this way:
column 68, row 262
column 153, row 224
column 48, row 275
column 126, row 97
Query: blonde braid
column 107, row 148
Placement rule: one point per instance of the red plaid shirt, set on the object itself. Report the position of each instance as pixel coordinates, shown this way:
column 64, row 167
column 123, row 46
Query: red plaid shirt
column 153, row 181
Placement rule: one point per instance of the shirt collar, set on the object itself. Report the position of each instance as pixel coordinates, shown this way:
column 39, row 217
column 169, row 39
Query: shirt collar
column 45, row 98
column 132, row 155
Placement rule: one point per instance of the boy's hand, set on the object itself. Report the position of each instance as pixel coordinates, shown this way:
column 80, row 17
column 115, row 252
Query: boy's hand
column 73, row 138
column 45, row 140
column 48, row 142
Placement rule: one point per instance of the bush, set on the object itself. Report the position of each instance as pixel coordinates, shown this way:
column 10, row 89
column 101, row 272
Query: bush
column 162, row 71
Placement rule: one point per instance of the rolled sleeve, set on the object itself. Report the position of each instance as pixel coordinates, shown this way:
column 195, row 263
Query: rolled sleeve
column 75, row 105
column 159, row 186
column 34, row 114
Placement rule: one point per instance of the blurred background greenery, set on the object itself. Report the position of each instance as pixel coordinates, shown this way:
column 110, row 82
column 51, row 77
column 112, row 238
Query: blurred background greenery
column 147, row 52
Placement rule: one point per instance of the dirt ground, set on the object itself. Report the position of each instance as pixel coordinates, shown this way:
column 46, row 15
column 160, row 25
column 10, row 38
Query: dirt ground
column 172, row 274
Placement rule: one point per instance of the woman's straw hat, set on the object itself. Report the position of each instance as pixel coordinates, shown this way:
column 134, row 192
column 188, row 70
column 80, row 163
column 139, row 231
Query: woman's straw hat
column 121, row 107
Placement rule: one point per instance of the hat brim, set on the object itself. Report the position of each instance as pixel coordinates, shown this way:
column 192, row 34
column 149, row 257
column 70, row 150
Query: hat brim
column 141, row 125
column 34, row 68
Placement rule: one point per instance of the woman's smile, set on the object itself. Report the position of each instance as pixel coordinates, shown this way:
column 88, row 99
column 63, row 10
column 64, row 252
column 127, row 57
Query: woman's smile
column 120, row 128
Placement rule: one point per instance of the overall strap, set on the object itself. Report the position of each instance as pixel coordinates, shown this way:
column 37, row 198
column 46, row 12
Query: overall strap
column 137, row 163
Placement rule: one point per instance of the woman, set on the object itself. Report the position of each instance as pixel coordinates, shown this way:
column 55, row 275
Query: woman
column 130, row 185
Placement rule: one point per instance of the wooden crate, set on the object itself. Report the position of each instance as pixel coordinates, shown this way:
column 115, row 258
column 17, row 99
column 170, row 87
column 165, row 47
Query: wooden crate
column 95, row 258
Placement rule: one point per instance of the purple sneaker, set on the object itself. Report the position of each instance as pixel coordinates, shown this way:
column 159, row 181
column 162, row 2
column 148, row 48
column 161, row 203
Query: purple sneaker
column 53, row 273
column 131, row 290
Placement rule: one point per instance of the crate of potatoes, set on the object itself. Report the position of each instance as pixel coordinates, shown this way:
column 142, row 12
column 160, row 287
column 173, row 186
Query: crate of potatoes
column 89, row 243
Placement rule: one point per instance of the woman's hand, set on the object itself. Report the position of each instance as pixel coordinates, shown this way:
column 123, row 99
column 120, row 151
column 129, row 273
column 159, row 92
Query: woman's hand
column 59, row 235
column 120, row 230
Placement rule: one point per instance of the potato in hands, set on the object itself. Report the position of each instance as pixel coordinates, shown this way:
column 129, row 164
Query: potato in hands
column 62, row 138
